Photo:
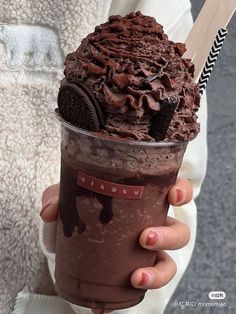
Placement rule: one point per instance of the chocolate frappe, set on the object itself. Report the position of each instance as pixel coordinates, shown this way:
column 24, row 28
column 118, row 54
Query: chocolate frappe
column 110, row 191
column 125, row 128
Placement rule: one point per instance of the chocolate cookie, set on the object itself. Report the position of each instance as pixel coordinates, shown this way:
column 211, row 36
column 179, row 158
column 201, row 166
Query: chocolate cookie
column 78, row 106
column 97, row 107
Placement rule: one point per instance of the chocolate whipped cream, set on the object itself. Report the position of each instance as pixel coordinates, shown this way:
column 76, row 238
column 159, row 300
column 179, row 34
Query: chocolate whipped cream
column 133, row 70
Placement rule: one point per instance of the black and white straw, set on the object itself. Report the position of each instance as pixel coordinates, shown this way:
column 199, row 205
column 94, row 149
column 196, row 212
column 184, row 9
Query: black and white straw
column 211, row 60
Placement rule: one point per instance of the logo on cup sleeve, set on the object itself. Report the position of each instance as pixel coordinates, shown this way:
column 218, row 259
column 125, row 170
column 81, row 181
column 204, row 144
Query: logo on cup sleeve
column 115, row 190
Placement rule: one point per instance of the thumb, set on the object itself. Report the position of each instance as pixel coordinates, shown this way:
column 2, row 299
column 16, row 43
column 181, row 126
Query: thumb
column 50, row 199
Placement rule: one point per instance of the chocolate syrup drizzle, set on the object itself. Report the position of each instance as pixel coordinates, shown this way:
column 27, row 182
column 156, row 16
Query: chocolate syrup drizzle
column 70, row 191
column 70, row 215
column 68, row 212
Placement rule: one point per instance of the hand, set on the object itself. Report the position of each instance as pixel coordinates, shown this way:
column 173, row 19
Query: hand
column 174, row 235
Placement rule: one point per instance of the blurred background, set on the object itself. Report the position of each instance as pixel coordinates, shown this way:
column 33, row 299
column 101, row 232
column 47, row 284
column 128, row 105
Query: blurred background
column 213, row 264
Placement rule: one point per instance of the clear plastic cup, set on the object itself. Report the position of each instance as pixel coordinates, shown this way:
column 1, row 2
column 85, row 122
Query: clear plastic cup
column 110, row 191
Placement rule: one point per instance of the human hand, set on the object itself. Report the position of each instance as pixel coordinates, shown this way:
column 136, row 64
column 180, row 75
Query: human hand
column 174, row 235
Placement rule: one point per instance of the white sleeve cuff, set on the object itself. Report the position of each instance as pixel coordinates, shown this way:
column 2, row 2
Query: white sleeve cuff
column 47, row 239
column 29, row 303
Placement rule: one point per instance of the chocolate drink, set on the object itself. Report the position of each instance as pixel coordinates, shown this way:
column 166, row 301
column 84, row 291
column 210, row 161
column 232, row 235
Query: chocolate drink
column 98, row 235
column 127, row 106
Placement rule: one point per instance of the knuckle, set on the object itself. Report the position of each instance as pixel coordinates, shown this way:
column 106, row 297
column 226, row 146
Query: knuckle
column 182, row 236
column 46, row 192
column 186, row 235
column 164, row 277
column 50, row 191
column 174, row 269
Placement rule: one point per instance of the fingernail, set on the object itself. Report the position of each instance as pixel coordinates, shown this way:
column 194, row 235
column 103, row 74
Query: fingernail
column 45, row 207
column 151, row 238
column 146, row 279
column 179, row 196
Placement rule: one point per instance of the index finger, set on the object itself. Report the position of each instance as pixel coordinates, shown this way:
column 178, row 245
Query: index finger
column 181, row 193
column 51, row 192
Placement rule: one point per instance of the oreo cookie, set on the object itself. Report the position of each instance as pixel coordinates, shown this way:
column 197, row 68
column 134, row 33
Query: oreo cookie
column 77, row 105
column 161, row 121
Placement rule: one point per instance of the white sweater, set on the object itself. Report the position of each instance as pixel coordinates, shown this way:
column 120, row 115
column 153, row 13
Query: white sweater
column 35, row 36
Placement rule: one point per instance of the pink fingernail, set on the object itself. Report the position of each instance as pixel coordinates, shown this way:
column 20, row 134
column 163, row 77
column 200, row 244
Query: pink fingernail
column 179, row 196
column 47, row 205
column 151, row 238
column 145, row 279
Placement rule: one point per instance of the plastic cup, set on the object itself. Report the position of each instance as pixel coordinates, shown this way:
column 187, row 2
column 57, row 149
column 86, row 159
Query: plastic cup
column 110, row 191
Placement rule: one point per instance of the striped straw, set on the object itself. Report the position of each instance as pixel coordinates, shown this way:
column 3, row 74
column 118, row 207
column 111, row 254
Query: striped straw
column 211, row 60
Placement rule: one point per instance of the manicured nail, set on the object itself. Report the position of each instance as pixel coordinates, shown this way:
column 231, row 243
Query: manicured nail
column 145, row 279
column 151, row 238
column 45, row 207
column 179, row 196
